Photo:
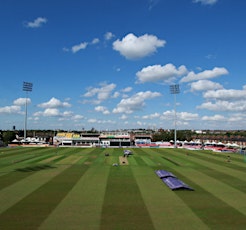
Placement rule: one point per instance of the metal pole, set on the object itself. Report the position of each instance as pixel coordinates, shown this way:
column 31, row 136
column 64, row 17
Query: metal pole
column 174, row 89
column 175, row 123
column 25, row 126
column 27, row 87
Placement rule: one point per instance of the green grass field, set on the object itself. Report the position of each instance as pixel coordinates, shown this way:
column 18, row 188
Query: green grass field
column 77, row 188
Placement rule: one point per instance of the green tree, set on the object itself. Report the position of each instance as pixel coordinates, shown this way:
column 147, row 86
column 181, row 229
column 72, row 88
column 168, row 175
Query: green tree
column 8, row 137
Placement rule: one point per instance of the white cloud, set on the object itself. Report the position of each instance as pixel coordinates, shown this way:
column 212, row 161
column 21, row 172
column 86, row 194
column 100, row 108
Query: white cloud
column 116, row 95
column 224, row 106
column 206, row 74
column 51, row 112
column 54, row 103
column 123, row 117
column 205, row 2
column 226, row 94
column 183, row 116
column 135, row 103
column 237, row 117
column 132, row 47
column 108, row 36
column 168, row 115
column 215, row 117
column 156, row 73
column 151, row 116
column 204, row 85
column 92, row 120
column 13, row 109
column 77, row 117
column 127, row 89
column 79, row 47
column 54, row 112
column 102, row 93
column 102, row 109
column 95, row 41
column 229, row 100
column 38, row 22
column 22, row 101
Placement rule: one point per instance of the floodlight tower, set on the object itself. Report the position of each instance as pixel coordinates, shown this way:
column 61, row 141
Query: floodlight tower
column 174, row 89
column 27, row 87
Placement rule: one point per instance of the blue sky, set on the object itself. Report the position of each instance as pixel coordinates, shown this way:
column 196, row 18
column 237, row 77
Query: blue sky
column 108, row 64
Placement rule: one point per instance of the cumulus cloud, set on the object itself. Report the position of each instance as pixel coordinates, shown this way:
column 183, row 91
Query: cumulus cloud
column 116, row 95
column 151, row 116
column 93, row 120
column 77, row 117
column 235, row 106
column 168, row 115
column 102, row 109
column 13, row 109
column 183, row 116
column 206, row 2
column 207, row 74
column 38, row 22
column 226, row 94
column 95, row 41
column 22, row 101
column 79, row 47
column 54, row 103
column 123, row 117
column 157, row 73
column 229, row 100
column 204, row 85
column 102, row 93
column 54, row 112
column 135, row 103
column 108, row 36
column 133, row 47
column 215, row 117
column 127, row 89
column 49, row 112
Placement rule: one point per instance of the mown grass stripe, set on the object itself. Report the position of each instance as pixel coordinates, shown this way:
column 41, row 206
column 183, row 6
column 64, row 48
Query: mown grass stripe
column 222, row 156
column 48, row 159
column 148, row 161
column 19, row 151
column 132, row 161
column 214, row 193
column 69, row 159
column 220, row 173
column 166, row 209
column 81, row 208
column 123, row 206
column 109, row 160
column 219, row 210
column 41, row 202
column 39, row 158
column 14, row 193
column 213, row 159
column 139, row 160
column 12, row 177
column 207, row 162
column 218, row 188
